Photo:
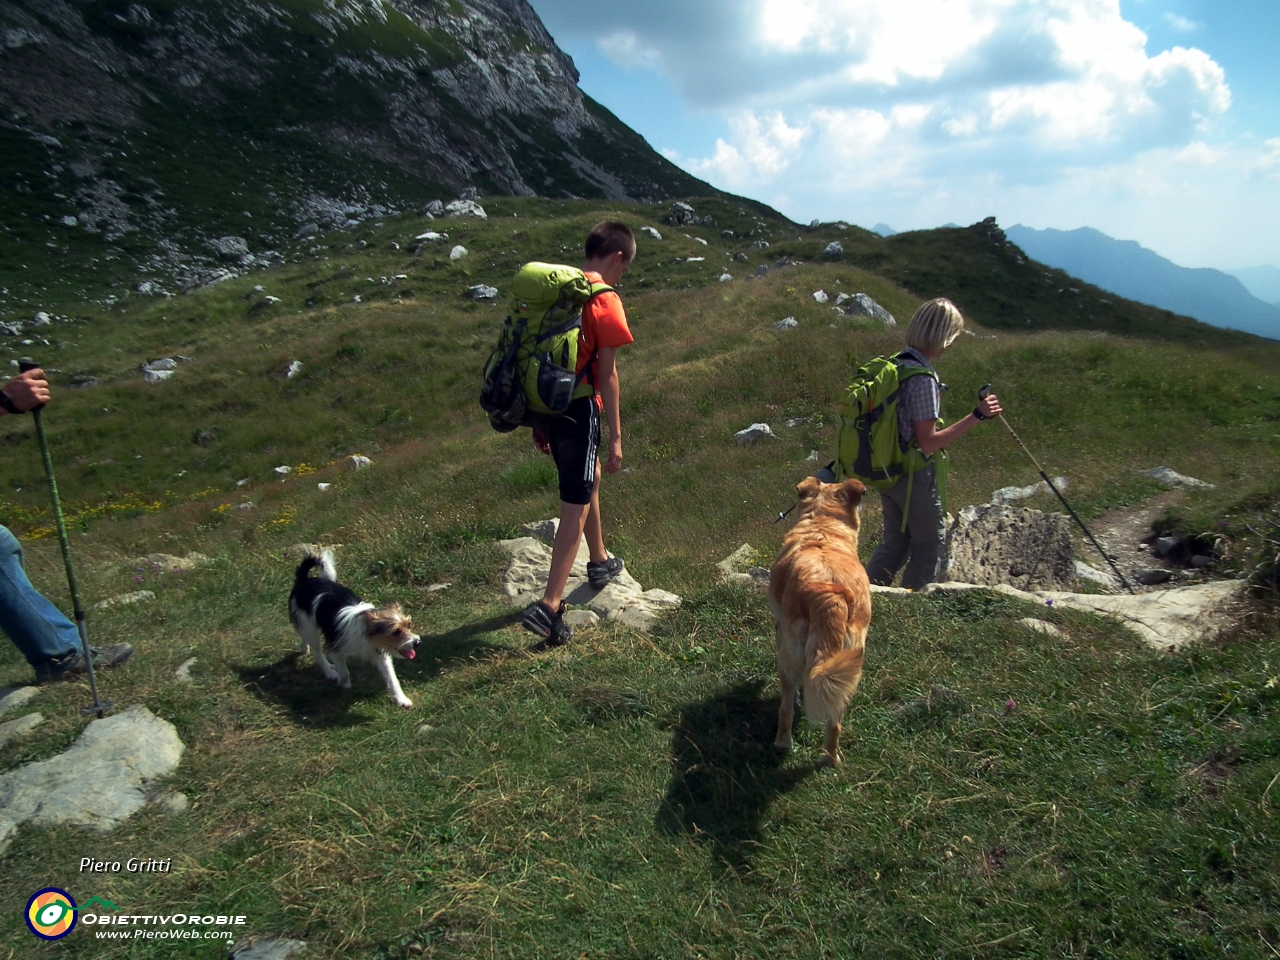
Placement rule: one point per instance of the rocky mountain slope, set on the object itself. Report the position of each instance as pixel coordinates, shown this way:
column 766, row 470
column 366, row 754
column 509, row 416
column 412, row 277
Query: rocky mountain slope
column 136, row 134
column 1130, row 270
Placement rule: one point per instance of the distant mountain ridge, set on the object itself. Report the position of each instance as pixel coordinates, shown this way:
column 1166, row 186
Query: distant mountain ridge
column 1130, row 270
column 1263, row 282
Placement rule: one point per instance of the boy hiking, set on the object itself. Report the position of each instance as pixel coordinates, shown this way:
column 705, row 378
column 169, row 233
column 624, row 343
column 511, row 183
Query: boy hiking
column 573, row 437
column 914, row 514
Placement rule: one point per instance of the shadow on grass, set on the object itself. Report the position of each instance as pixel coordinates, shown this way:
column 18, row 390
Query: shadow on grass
column 725, row 772
column 436, row 651
column 295, row 682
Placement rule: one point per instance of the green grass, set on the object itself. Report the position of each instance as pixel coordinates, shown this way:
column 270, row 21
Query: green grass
column 619, row 798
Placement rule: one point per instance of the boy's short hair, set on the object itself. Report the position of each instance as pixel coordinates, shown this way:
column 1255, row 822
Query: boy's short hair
column 609, row 237
column 935, row 326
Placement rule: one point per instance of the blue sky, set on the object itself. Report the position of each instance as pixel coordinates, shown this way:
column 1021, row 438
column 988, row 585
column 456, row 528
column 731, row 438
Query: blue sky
column 1151, row 120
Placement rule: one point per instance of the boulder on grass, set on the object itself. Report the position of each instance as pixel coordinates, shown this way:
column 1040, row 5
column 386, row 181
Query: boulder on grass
column 754, row 432
column 996, row 543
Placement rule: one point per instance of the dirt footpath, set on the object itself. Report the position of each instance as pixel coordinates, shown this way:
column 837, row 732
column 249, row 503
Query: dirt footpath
column 1121, row 533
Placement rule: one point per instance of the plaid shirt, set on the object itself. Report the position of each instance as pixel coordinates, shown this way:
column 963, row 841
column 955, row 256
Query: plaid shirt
column 920, row 398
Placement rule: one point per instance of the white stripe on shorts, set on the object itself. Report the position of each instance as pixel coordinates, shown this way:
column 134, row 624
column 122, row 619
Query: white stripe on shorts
column 593, row 444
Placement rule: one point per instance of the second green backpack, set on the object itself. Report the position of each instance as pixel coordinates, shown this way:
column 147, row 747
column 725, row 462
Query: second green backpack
column 532, row 372
column 868, row 445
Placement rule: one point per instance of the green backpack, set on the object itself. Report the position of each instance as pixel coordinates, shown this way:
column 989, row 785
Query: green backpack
column 868, row 445
column 530, row 375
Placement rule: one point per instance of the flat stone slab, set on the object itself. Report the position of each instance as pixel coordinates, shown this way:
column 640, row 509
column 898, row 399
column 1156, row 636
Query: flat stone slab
column 168, row 563
column 171, row 802
column 98, row 782
column 1092, row 574
column 13, row 729
column 1041, row 626
column 126, row 599
column 1173, row 479
column 272, row 948
column 581, row 619
column 1166, row 619
column 15, row 698
column 624, row 600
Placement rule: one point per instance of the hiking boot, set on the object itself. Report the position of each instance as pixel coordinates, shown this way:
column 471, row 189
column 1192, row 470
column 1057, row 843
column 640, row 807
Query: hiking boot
column 73, row 665
column 604, row 573
column 538, row 618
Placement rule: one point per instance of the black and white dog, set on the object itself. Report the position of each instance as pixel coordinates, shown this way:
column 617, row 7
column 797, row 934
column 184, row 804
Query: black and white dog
column 350, row 627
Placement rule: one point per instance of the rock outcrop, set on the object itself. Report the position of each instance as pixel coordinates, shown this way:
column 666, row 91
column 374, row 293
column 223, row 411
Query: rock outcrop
column 743, row 567
column 20, row 727
column 996, row 543
column 757, row 431
column 861, row 305
column 1166, row 619
column 13, row 699
column 97, row 783
column 624, row 600
column 1173, row 479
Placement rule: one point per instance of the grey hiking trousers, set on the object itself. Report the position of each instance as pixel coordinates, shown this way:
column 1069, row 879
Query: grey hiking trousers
column 924, row 540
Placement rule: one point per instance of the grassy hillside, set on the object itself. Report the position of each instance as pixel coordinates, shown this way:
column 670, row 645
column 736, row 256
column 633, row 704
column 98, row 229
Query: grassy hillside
column 619, row 798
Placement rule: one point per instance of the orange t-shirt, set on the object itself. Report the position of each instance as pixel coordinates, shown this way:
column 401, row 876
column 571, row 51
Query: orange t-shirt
column 604, row 324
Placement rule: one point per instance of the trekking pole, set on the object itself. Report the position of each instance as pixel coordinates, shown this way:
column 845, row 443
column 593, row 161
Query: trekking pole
column 982, row 395
column 100, row 707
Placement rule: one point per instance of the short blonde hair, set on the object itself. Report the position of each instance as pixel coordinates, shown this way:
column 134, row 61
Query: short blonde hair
column 935, row 326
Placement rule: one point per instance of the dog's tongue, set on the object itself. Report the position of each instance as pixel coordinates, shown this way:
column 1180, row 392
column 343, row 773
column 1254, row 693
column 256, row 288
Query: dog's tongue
column 411, row 654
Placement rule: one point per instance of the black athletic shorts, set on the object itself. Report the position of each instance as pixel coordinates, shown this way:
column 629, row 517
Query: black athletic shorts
column 575, row 445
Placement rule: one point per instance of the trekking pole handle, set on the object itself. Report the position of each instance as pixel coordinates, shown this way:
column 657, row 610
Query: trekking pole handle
column 25, row 364
column 983, row 393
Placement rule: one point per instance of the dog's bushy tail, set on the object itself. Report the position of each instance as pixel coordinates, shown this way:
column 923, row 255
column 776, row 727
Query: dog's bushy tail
column 835, row 671
column 324, row 561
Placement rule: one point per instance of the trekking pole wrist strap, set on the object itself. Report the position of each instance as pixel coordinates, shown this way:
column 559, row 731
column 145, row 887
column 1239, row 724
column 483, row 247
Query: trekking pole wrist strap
column 977, row 412
column 7, row 402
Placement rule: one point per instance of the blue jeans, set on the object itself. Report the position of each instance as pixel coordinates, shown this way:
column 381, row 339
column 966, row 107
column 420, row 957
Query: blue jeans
column 37, row 628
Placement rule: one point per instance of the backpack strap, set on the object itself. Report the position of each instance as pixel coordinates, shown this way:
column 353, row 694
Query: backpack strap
column 905, row 372
column 911, row 369
column 587, row 374
column 939, row 459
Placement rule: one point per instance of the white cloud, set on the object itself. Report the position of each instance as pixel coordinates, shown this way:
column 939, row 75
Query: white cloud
column 764, row 147
column 1055, row 76
column 882, row 42
column 1268, row 160
column 917, row 112
column 626, row 49
column 1180, row 23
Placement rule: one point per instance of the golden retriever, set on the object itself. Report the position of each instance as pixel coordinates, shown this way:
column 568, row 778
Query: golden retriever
column 820, row 600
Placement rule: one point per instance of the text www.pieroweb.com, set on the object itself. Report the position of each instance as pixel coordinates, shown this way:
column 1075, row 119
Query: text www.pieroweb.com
column 173, row 927
column 141, row 933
